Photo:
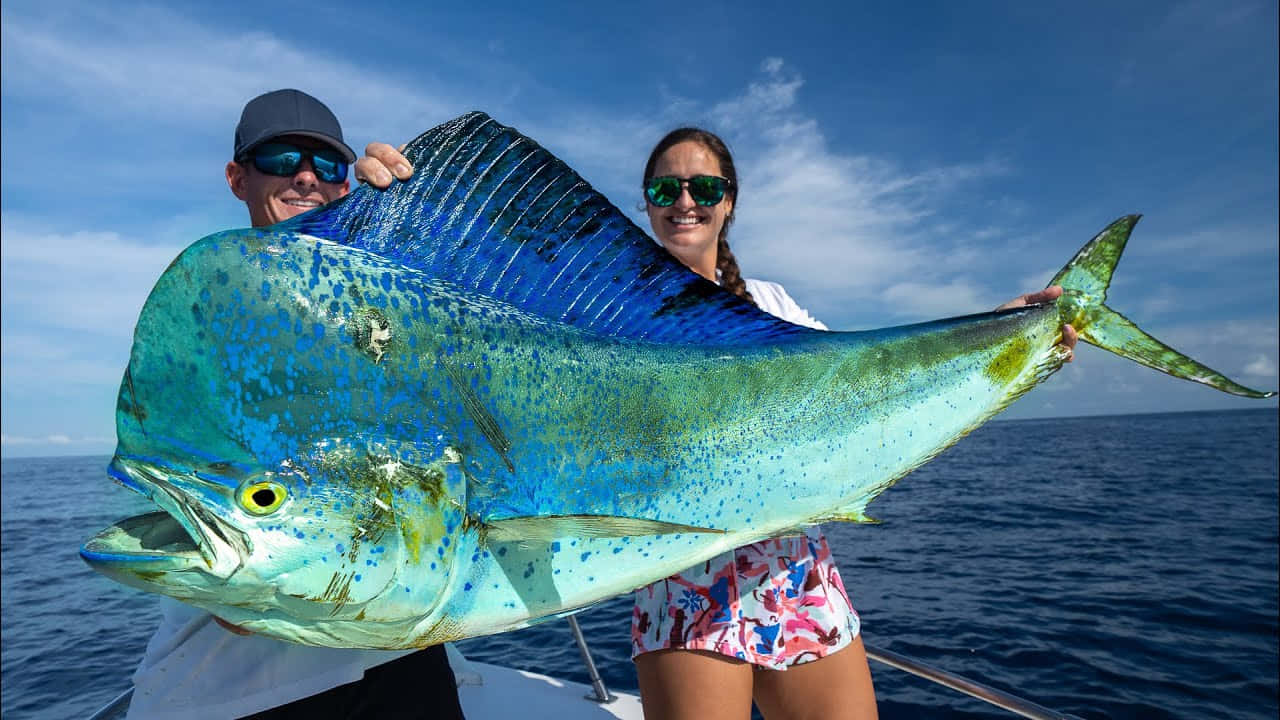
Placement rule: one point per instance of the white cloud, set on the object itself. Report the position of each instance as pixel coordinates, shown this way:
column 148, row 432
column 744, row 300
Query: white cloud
column 840, row 226
column 127, row 62
column 1219, row 242
column 83, row 280
column 34, row 359
column 1035, row 280
column 53, row 439
column 70, row 304
column 936, row 300
column 1118, row 386
column 1159, row 300
column 773, row 94
column 1206, row 335
column 1261, row 366
column 17, row 440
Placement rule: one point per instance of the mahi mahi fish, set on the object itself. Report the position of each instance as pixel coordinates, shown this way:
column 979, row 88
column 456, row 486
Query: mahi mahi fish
column 484, row 398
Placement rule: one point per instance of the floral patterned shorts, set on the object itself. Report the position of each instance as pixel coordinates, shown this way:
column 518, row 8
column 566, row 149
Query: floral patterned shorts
column 774, row 603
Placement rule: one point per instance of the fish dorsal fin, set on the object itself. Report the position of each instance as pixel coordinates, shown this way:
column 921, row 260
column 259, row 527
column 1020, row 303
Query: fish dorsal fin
column 491, row 211
column 547, row 528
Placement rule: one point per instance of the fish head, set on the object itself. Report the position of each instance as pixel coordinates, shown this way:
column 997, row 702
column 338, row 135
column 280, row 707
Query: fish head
column 305, row 546
column 251, row 415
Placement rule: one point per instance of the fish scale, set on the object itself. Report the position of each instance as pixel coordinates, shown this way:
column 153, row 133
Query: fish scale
column 484, row 398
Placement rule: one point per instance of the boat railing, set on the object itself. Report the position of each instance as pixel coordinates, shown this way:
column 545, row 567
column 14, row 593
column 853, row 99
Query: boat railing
column 986, row 693
column 114, row 709
column 600, row 693
column 999, row 698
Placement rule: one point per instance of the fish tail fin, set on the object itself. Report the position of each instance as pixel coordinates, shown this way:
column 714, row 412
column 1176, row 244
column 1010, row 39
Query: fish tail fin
column 1084, row 283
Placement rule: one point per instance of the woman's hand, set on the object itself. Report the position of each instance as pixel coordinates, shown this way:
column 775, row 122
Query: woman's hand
column 381, row 164
column 1049, row 294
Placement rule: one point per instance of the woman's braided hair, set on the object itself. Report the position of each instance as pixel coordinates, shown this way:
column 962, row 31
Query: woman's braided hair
column 726, row 263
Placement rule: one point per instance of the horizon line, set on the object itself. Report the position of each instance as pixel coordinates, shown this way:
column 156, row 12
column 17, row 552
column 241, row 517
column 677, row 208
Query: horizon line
column 4, row 456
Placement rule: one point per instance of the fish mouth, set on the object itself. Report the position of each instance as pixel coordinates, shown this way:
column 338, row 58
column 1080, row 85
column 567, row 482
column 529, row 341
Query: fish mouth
column 182, row 536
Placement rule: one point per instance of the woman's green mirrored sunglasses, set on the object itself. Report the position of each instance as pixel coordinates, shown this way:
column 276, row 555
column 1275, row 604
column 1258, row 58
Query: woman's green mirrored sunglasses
column 706, row 190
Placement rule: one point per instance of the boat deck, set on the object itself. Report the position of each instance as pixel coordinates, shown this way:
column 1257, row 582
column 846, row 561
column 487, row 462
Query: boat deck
column 493, row 691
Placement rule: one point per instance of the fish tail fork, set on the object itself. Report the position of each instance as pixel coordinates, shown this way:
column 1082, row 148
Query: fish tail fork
column 1084, row 282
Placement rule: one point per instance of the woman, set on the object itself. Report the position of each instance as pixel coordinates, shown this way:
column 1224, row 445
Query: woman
column 708, row 640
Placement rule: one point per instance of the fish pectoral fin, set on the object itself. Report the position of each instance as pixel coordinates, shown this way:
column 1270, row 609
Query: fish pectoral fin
column 546, row 528
column 479, row 414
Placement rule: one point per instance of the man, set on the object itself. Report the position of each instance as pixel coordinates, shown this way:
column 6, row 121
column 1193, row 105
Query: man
column 263, row 173
column 289, row 157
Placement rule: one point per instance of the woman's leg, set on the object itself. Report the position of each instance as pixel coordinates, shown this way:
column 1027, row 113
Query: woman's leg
column 836, row 686
column 693, row 685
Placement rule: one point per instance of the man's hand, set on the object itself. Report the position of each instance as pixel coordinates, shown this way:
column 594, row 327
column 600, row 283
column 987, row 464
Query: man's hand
column 1049, row 294
column 381, row 164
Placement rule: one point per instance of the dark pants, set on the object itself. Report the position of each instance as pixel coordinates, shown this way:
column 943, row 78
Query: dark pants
column 417, row 686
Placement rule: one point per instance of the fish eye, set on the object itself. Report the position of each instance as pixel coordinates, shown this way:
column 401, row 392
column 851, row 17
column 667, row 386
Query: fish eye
column 262, row 497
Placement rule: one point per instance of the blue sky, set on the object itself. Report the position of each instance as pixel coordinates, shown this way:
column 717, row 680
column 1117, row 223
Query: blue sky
column 898, row 164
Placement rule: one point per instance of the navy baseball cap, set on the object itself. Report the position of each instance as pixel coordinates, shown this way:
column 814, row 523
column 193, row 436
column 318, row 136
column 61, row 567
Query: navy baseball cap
column 288, row 112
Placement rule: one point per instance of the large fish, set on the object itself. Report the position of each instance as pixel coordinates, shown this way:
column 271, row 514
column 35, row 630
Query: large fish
column 484, row 398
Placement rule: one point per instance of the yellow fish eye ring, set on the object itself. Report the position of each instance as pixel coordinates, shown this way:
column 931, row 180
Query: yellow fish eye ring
column 261, row 497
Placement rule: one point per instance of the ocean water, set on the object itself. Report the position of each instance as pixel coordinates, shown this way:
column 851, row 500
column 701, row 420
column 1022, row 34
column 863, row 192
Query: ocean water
column 1109, row 567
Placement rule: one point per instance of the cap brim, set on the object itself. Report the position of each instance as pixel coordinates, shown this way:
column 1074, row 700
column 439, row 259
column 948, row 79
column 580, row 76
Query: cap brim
column 329, row 140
